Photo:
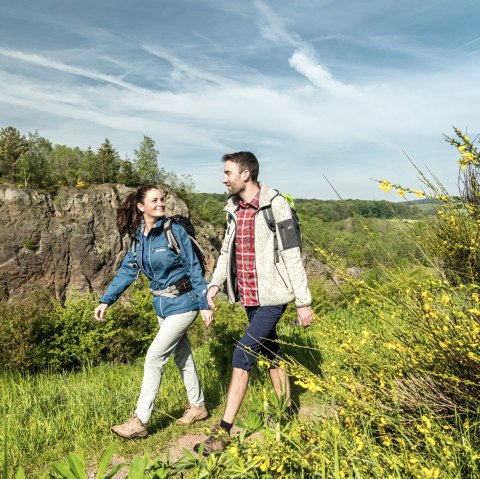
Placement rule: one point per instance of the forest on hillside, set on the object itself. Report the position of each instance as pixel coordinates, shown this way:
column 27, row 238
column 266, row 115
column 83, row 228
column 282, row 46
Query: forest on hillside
column 33, row 161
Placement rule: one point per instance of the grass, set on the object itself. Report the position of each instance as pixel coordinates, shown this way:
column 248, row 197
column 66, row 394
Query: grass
column 51, row 414
column 342, row 374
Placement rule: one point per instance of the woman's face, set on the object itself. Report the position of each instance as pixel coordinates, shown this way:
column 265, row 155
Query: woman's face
column 153, row 206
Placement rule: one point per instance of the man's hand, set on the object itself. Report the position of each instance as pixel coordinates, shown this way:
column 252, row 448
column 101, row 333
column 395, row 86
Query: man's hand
column 207, row 316
column 211, row 293
column 305, row 316
column 100, row 311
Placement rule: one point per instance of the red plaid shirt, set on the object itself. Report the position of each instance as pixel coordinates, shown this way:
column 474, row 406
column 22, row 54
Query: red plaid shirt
column 245, row 252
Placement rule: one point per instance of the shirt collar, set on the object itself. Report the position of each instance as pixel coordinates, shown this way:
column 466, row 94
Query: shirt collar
column 253, row 203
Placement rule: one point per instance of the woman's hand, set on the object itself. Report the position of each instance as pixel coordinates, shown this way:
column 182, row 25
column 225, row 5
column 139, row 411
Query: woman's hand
column 100, row 311
column 207, row 316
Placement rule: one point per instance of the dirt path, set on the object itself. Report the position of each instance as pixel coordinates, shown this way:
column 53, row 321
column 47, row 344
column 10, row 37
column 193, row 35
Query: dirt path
column 176, row 447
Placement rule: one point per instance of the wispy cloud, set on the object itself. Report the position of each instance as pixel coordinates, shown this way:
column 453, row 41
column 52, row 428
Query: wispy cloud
column 257, row 80
column 183, row 68
column 44, row 62
column 304, row 59
column 304, row 62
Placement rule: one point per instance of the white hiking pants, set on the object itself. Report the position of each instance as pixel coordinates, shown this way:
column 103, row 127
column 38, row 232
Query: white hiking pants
column 171, row 337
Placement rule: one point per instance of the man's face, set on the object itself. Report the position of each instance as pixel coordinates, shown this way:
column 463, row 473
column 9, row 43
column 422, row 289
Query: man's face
column 232, row 178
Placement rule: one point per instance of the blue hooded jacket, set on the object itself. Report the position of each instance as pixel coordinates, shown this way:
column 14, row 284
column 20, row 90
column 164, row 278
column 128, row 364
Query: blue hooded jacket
column 164, row 268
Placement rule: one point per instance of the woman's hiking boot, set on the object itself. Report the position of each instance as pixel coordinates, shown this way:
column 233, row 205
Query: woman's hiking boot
column 193, row 413
column 131, row 429
column 218, row 440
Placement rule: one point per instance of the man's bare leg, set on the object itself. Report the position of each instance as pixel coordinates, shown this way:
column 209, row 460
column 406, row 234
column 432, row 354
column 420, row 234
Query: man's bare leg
column 281, row 383
column 236, row 393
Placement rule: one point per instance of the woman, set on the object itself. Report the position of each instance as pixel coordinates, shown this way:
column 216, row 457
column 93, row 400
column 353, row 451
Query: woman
column 178, row 288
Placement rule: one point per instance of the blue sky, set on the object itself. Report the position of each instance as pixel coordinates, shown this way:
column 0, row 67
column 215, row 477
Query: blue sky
column 342, row 89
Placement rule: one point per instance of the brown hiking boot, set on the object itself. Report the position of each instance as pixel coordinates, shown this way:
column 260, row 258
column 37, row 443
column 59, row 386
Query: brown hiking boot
column 192, row 413
column 218, row 440
column 131, row 429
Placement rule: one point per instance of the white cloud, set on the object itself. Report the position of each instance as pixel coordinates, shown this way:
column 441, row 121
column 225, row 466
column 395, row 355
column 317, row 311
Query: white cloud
column 296, row 112
column 304, row 62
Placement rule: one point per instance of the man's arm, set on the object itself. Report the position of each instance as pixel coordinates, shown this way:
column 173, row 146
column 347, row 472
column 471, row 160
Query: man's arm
column 220, row 273
column 290, row 255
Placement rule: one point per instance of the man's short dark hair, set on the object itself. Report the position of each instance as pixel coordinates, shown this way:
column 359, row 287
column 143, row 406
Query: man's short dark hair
column 246, row 161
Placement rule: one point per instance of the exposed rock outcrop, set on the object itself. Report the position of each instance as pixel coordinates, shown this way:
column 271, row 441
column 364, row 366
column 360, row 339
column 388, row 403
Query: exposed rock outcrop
column 68, row 242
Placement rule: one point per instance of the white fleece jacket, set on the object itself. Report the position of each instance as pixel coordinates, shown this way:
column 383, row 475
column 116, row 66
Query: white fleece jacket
column 278, row 283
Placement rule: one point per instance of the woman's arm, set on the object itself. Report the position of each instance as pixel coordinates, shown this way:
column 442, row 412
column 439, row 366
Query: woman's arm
column 125, row 276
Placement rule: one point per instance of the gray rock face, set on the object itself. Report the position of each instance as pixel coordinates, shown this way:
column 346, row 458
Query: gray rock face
column 68, row 242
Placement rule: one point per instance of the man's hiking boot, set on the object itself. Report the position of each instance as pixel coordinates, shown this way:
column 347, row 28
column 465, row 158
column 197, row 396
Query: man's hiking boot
column 193, row 413
column 131, row 429
column 218, row 440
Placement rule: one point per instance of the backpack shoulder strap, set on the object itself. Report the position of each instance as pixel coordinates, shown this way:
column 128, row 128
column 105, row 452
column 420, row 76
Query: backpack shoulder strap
column 133, row 247
column 272, row 225
column 172, row 242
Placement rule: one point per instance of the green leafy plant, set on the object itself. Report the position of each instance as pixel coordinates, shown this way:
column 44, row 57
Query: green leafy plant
column 31, row 245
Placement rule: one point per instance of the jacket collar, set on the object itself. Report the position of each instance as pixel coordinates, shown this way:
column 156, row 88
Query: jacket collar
column 141, row 227
column 266, row 196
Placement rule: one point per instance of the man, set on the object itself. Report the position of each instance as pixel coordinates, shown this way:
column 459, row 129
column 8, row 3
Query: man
column 263, row 279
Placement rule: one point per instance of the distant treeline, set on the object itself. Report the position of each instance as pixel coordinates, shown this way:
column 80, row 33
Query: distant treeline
column 33, row 161
column 334, row 210
column 209, row 206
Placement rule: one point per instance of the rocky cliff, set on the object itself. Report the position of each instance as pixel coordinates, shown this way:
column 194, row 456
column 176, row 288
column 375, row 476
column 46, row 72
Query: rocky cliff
column 68, row 242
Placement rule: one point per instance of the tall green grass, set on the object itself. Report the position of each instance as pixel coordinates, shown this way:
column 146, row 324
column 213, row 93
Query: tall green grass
column 52, row 414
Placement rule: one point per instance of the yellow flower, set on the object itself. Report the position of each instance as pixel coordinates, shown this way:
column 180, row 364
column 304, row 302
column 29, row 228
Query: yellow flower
column 427, row 422
column 418, row 193
column 387, row 441
column 233, row 450
column 445, row 299
column 401, row 192
column 430, row 441
column 466, row 138
column 461, row 148
column 385, row 186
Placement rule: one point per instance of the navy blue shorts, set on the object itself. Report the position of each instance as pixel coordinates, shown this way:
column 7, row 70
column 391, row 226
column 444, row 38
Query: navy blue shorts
column 260, row 336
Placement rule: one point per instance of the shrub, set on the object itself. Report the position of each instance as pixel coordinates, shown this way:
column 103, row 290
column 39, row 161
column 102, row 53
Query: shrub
column 31, row 245
column 38, row 332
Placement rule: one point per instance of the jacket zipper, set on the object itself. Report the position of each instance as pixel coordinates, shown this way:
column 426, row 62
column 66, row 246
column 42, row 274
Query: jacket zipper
column 231, row 278
column 153, row 270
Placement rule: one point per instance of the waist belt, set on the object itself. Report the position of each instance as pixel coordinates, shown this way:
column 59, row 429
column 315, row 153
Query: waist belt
column 182, row 286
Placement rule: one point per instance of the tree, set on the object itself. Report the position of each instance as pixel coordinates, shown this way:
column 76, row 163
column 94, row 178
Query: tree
column 65, row 165
column 12, row 146
column 127, row 175
column 146, row 162
column 32, row 164
column 108, row 162
column 89, row 170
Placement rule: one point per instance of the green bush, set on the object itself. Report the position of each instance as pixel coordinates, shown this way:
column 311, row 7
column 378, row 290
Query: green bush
column 39, row 333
